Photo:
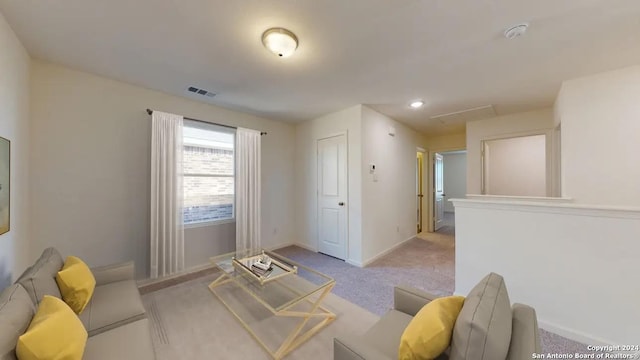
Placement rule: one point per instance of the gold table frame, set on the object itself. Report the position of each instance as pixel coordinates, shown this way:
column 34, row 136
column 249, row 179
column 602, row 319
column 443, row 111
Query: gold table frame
column 296, row 337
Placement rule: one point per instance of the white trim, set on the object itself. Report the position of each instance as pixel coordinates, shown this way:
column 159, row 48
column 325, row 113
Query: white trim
column 385, row 252
column 541, row 199
column 429, row 175
column 573, row 334
column 354, row 263
column 305, row 246
column 551, row 208
column 209, row 223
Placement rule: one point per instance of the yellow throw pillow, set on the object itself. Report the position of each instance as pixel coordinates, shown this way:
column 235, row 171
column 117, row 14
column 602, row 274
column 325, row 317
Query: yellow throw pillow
column 76, row 283
column 55, row 333
column 429, row 333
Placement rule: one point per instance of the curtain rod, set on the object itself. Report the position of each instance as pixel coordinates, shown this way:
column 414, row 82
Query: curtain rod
column 149, row 111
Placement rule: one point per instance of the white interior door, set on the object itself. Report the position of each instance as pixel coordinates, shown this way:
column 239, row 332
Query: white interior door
column 438, row 191
column 332, row 196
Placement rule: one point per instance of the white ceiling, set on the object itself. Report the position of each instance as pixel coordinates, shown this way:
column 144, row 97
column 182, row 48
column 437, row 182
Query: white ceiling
column 383, row 53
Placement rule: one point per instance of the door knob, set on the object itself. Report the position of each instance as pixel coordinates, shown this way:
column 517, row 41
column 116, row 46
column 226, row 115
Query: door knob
column 341, row 203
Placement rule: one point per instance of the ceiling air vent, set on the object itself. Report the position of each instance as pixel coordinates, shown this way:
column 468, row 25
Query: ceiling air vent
column 198, row 91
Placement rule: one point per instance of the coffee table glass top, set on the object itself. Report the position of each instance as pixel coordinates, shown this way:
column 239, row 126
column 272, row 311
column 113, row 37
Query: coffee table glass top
column 287, row 284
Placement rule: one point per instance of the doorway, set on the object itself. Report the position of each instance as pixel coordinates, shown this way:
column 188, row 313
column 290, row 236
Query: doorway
column 332, row 196
column 449, row 182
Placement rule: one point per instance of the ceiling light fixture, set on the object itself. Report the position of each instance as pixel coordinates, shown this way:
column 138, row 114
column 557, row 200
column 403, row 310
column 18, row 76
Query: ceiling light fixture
column 417, row 104
column 516, row 31
column 279, row 41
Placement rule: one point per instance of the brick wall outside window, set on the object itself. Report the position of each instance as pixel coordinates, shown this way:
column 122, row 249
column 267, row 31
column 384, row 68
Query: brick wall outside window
column 207, row 198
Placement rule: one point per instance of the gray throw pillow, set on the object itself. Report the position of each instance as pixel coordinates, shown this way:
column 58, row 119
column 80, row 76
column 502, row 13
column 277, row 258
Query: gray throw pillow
column 16, row 312
column 40, row 279
column 483, row 327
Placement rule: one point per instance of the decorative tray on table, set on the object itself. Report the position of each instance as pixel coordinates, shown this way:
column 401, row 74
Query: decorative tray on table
column 264, row 268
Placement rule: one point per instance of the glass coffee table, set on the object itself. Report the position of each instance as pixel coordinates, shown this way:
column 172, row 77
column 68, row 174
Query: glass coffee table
column 288, row 290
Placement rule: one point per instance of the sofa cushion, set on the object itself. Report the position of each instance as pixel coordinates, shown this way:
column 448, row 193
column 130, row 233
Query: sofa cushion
column 54, row 333
column 483, row 327
column 385, row 334
column 429, row 333
column 130, row 341
column 76, row 283
column 112, row 305
column 39, row 280
column 16, row 311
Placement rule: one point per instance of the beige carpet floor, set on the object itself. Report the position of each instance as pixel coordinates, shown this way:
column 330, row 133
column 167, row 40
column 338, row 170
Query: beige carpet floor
column 188, row 322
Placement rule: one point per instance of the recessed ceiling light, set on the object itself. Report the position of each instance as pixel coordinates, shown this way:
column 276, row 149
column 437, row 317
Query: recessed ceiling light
column 516, row 31
column 417, row 104
column 279, row 41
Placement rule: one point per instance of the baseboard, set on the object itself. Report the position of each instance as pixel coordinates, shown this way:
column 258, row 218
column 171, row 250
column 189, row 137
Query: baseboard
column 306, row 246
column 385, row 252
column 574, row 334
column 354, row 263
column 279, row 246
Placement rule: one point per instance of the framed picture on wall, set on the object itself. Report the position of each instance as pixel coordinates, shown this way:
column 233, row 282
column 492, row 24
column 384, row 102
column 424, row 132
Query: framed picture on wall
column 5, row 169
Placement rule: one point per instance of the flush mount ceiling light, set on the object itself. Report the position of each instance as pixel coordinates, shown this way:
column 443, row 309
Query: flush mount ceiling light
column 279, row 41
column 516, row 31
column 416, row 104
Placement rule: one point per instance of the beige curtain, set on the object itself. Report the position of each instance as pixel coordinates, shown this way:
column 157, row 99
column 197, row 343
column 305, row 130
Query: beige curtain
column 167, row 228
column 247, row 191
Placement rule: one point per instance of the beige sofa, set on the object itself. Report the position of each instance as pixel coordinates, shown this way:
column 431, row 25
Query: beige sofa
column 115, row 318
column 487, row 328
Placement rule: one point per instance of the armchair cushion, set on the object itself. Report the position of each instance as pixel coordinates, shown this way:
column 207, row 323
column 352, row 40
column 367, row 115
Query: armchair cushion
column 429, row 333
column 356, row 348
column 483, row 328
column 113, row 305
column 410, row 300
column 113, row 273
column 385, row 334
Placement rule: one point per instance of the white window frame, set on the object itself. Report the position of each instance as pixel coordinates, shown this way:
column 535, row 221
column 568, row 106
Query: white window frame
column 205, row 223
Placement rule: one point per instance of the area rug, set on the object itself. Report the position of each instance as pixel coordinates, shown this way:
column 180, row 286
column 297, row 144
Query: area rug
column 188, row 322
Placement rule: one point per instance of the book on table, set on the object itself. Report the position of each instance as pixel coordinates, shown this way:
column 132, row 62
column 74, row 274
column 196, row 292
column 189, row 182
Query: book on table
column 261, row 272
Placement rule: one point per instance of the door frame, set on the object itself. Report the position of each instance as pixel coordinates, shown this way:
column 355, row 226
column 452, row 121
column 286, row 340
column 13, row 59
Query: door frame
column 429, row 176
column 422, row 209
column 317, row 198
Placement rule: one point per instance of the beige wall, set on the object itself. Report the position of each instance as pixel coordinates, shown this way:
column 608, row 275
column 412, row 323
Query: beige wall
column 388, row 204
column 447, row 142
column 516, row 166
column 307, row 133
column 527, row 123
column 90, row 169
column 14, row 126
column 600, row 122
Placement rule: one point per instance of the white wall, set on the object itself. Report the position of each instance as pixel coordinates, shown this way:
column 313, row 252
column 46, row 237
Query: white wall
column 455, row 178
column 306, row 208
column 388, row 204
column 516, row 166
column 600, row 138
column 527, row 123
column 90, row 161
column 14, row 126
column 575, row 265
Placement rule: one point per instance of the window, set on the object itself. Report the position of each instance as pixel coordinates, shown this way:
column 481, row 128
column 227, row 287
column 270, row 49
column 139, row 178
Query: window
column 208, row 167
